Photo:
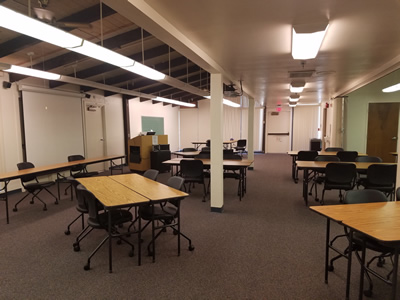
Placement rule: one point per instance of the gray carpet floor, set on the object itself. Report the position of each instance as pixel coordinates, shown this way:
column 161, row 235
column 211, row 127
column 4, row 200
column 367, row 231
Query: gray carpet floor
column 267, row 246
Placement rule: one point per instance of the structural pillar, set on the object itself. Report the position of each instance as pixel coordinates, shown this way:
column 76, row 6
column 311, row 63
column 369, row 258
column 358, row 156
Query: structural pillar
column 216, row 113
column 250, row 133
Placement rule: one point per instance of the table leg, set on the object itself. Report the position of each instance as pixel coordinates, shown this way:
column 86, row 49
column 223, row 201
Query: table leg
column 294, row 168
column 395, row 269
column 6, row 199
column 109, row 242
column 140, row 242
column 349, row 258
column 360, row 292
column 328, row 229
column 305, row 185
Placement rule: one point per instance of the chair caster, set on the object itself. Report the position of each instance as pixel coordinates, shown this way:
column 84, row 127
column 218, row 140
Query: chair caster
column 131, row 253
column 15, row 209
column 316, row 199
column 149, row 253
column 76, row 246
column 119, row 242
column 31, row 202
column 191, row 248
column 331, row 268
column 44, row 208
column 368, row 293
column 380, row 263
column 86, row 267
column 67, row 232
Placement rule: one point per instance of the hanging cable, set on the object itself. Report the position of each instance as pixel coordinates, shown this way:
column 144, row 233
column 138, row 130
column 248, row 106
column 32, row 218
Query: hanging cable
column 101, row 22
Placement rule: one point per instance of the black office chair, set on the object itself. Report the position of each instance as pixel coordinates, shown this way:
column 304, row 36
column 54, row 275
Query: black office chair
column 81, row 207
column 234, row 172
column 347, row 156
column 151, row 174
column 333, row 149
column 339, row 176
column 33, row 186
column 99, row 220
column 305, row 155
column 319, row 176
column 168, row 214
column 381, row 177
column 78, row 171
column 398, row 194
column 362, row 174
column 241, row 146
column 193, row 172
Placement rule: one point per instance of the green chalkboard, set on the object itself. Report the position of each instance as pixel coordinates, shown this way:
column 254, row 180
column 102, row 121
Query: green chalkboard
column 153, row 124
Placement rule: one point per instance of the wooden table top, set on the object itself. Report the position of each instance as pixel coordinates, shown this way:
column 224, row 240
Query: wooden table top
column 186, row 154
column 379, row 220
column 55, row 167
column 301, row 164
column 111, row 193
column 148, row 188
column 207, row 162
column 333, row 153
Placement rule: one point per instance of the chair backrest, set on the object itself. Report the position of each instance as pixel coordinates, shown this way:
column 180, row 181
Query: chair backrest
column 191, row 168
column 381, row 175
column 92, row 205
column 349, row 156
column 307, row 155
column 232, row 156
column 23, row 166
column 241, row 143
column 83, row 206
column 208, row 143
column 189, row 150
column 340, row 172
column 364, row 196
column 326, row 158
column 365, row 158
column 333, row 149
column 176, row 182
column 205, row 149
column 76, row 157
column 151, row 174
column 398, row 194
column 203, row 154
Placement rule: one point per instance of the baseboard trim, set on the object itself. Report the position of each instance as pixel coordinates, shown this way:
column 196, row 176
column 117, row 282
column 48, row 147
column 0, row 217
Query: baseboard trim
column 217, row 209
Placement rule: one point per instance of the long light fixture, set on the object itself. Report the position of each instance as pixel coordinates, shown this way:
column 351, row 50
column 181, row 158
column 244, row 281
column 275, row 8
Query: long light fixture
column 297, row 86
column 176, row 102
column 294, row 98
column 226, row 102
column 307, row 39
column 28, row 26
column 391, row 89
column 33, row 72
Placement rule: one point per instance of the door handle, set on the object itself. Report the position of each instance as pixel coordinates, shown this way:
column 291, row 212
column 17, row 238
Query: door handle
column 102, row 140
column 394, row 138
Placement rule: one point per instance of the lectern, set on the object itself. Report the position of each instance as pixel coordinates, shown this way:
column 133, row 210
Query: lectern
column 140, row 148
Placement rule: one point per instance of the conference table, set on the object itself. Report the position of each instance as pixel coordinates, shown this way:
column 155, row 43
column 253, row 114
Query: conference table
column 227, row 144
column 6, row 177
column 380, row 221
column 294, row 155
column 242, row 165
column 126, row 191
column 309, row 167
column 188, row 154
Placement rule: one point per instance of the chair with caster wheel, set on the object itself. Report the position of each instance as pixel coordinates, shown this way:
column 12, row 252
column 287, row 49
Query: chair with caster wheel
column 99, row 220
column 167, row 215
column 151, row 174
column 33, row 186
column 355, row 197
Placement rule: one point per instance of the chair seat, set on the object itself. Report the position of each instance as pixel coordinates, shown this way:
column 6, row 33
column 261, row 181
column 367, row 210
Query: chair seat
column 337, row 186
column 117, row 217
column 232, row 175
column 37, row 186
column 86, row 174
column 168, row 211
column 370, row 243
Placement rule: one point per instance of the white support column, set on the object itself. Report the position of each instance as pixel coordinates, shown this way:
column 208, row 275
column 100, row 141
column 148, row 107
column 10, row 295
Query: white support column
column 250, row 128
column 216, row 111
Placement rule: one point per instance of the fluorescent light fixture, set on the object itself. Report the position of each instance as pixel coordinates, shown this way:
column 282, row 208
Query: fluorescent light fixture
column 292, row 105
column 226, row 102
column 294, row 98
column 145, row 71
column 176, row 102
column 28, row 26
column 307, row 39
column 103, row 54
column 297, row 86
column 33, row 73
column 391, row 89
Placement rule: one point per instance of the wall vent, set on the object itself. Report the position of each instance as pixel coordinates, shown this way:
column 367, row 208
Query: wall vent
column 301, row 74
column 274, row 113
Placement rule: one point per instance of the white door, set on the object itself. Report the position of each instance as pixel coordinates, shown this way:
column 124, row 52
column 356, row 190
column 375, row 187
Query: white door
column 278, row 132
column 94, row 134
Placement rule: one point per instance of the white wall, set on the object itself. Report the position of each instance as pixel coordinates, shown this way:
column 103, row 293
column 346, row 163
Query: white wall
column 114, row 121
column 170, row 114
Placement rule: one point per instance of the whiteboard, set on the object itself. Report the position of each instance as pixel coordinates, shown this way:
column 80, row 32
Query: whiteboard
column 53, row 127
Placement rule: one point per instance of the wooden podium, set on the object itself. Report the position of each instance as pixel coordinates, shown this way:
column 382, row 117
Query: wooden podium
column 140, row 148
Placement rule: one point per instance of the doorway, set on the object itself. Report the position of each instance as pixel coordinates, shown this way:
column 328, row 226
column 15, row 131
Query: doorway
column 278, row 129
column 383, row 119
column 94, row 134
